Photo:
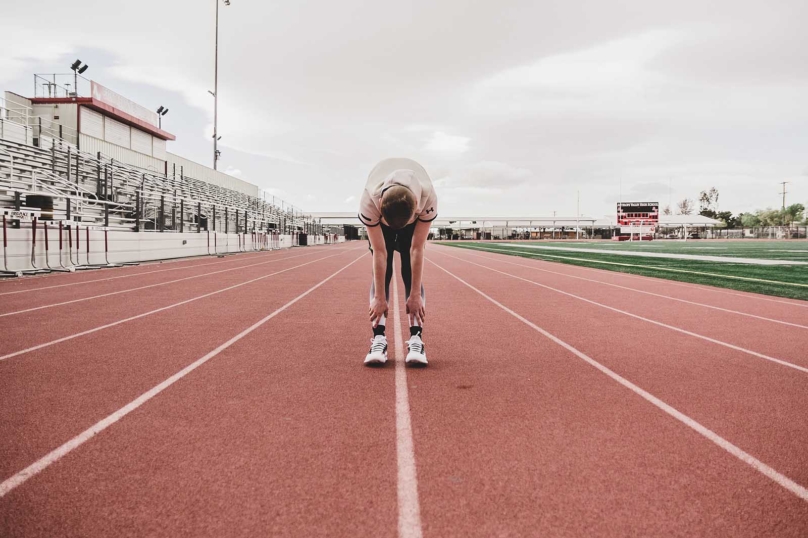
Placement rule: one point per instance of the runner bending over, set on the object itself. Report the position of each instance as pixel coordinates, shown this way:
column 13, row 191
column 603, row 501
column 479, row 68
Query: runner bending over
column 397, row 206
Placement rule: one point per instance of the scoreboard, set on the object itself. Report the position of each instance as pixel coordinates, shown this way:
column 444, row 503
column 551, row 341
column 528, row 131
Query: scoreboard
column 638, row 217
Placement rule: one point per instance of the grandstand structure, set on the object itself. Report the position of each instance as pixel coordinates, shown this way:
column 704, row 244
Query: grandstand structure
column 97, row 166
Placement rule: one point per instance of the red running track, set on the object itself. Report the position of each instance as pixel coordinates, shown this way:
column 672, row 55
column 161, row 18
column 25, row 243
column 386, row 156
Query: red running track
column 236, row 403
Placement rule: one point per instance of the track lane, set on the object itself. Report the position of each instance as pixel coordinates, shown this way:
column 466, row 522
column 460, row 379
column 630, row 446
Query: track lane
column 56, row 280
column 515, row 436
column 51, row 394
column 39, row 327
column 21, row 303
column 752, row 403
column 762, row 338
column 277, row 435
column 791, row 310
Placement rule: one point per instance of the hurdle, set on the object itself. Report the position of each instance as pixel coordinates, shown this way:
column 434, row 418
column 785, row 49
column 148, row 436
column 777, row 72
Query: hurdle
column 109, row 265
column 6, row 272
column 71, row 267
column 78, row 266
column 61, row 269
column 35, row 270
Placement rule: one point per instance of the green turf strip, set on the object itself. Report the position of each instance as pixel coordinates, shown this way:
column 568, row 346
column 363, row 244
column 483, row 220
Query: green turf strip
column 771, row 250
column 781, row 281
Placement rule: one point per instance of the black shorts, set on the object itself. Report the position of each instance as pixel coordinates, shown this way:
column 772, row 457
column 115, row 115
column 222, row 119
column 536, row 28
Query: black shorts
column 400, row 240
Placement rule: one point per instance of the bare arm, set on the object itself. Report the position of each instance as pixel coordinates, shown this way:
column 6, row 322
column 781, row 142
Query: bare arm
column 378, row 303
column 415, row 306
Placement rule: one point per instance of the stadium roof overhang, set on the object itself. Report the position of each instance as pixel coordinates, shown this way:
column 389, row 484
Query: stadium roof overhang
column 337, row 218
column 107, row 110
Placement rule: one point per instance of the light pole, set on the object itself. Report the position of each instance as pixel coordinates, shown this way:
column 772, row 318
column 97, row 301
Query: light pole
column 216, row 89
column 162, row 111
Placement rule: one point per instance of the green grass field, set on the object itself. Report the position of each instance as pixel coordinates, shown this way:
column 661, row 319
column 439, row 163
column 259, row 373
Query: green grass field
column 781, row 280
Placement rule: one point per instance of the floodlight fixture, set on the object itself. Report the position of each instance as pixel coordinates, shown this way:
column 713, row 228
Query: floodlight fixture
column 160, row 110
column 77, row 69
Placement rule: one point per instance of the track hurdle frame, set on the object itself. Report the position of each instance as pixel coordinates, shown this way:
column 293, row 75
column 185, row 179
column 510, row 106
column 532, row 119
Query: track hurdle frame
column 61, row 268
column 6, row 272
column 77, row 266
column 109, row 265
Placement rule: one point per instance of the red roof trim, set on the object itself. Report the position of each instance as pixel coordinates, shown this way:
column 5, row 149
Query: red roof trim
column 107, row 110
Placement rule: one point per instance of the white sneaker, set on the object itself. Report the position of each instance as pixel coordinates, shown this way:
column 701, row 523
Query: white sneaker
column 378, row 350
column 417, row 353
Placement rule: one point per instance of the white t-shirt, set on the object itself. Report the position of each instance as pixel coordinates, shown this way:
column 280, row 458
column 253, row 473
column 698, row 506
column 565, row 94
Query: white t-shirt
column 404, row 172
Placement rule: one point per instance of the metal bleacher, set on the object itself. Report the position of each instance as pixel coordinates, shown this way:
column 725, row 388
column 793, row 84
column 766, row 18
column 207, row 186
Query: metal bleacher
column 58, row 182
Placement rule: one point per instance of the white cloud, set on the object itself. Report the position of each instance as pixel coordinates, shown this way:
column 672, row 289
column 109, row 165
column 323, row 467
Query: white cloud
column 235, row 172
column 445, row 143
column 484, row 177
column 599, row 79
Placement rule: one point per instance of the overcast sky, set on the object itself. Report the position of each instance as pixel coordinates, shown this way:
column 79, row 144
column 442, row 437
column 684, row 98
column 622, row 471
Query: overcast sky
column 512, row 106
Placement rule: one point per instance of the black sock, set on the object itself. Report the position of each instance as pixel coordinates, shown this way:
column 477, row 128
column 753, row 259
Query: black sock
column 416, row 330
column 378, row 330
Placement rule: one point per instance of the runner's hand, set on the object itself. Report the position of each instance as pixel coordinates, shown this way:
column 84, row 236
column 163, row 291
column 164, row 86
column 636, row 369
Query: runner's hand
column 378, row 308
column 415, row 308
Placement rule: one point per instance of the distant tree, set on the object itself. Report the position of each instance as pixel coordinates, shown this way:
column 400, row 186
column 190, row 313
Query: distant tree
column 667, row 210
column 684, row 207
column 708, row 200
column 793, row 213
column 728, row 220
column 770, row 217
column 749, row 220
column 708, row 213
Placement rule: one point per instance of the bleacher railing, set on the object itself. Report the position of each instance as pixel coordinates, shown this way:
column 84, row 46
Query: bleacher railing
column 100, row 189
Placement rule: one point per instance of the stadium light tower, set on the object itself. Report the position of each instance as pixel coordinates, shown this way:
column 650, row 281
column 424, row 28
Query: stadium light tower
column 215, row 91
column 77, row 69
column 162, row 111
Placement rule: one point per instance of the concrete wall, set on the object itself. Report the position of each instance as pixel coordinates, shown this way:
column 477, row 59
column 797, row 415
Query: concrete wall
column 123, row 246
column 127, row 156
column 63, row 113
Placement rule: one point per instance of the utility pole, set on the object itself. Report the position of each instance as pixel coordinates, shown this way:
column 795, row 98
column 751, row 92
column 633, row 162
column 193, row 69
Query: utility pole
column 783, row 214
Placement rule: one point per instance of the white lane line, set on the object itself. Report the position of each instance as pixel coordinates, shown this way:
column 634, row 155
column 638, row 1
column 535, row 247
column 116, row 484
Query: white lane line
column 157, row 310
column 645, row 292
column 409, row 512
column 164, row 283
column 753, row 462
column 55, row 455
column 191, row 266
column 655, row 280
column 635, row 316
